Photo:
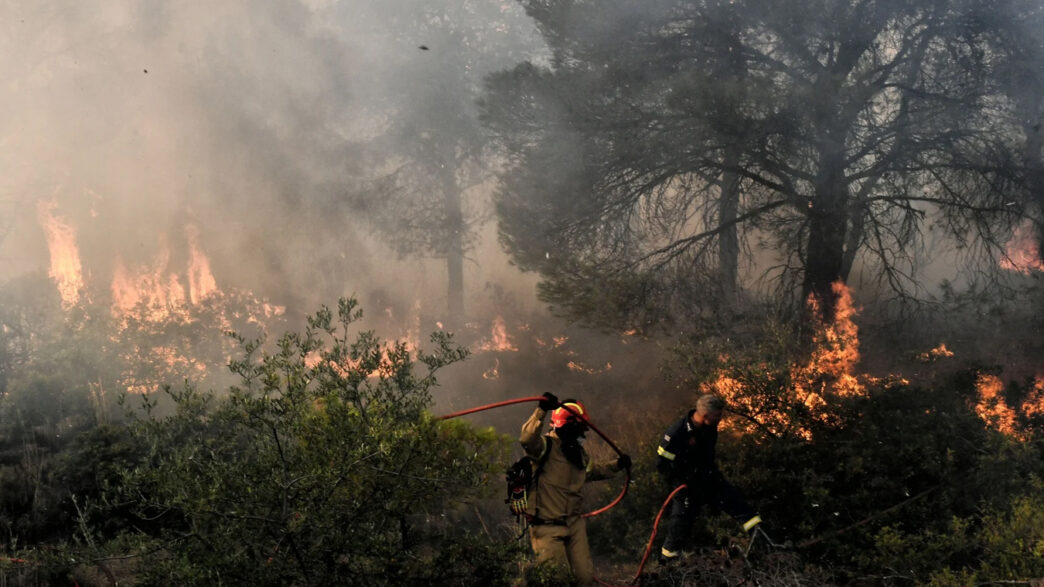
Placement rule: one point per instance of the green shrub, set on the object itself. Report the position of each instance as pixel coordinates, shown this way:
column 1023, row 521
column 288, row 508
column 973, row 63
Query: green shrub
column 1013, row 538
column 322, row 467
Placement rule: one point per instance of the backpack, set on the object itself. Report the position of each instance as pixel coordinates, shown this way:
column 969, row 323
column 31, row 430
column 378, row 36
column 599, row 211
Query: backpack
column 521, row 479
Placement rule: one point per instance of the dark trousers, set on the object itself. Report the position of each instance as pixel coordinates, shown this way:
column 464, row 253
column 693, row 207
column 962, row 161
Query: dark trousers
column 715, row 492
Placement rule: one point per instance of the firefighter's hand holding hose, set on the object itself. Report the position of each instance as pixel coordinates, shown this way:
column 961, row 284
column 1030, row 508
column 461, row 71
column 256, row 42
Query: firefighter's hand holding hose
column 550, row 402
column 623, row 463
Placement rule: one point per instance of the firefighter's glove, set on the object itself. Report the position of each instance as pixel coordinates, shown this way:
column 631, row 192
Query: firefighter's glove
column 624, row 462
column 549, row 402
column 518, row 503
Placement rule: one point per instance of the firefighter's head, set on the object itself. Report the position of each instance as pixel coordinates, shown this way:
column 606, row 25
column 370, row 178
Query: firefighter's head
column 709, row 409
column 570, row 419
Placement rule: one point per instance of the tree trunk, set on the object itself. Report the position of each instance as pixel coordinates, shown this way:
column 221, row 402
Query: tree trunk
column 728, row 239
column 827, row 223
column 1035, row 169
column 854, row 238
column 454, row 246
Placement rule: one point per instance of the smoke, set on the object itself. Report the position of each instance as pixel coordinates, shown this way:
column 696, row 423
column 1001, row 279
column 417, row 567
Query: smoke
column 246, row 121
column 240, row 130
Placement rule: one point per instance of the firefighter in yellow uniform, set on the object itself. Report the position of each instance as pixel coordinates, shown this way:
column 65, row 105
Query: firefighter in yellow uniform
column 558, row 532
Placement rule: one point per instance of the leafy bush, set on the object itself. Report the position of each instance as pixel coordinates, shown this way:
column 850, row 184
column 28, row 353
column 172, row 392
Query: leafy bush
column 900, row 490
column 322, row 467
column 896, row 483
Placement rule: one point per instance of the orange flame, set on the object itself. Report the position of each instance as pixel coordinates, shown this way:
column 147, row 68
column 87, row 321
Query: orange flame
column 155, row 286
column 411, row 337
column 579, row 367
column 499, row 339
column 201, row 280
column 66, row 269
column 344, row 368
column 1021, row 252
column 1034, row 403
column 828, row 374
column 556, row 341
column 939, row 352
column 157, row 289
column 159, row 286
column 835, row 356
column 992, row 408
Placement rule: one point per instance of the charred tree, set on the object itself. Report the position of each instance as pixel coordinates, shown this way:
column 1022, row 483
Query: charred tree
column 827, row 222
column 825, row 138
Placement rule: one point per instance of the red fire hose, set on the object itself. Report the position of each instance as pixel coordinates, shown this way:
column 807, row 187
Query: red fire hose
column 538, row 398
column 652, row 537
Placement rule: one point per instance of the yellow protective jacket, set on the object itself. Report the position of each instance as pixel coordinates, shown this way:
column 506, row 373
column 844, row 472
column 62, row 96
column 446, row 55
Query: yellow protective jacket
column 557, row 496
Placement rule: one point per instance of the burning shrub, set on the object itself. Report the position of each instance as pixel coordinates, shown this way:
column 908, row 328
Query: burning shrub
column 901, row 489
column 877, row 477
column 321, row 467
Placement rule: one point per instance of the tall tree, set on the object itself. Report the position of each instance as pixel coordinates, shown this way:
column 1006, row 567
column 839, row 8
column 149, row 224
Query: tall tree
column 430, row 152
column 825, row 137
column 1019, row 44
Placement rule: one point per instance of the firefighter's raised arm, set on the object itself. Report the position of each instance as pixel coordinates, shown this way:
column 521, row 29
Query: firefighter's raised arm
column 530, row 438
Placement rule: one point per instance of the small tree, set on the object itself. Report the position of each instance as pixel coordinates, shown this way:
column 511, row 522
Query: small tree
column 322, row 467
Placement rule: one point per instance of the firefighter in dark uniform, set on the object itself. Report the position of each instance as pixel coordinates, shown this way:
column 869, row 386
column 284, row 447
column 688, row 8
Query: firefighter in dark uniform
column 558, row 531
column 686, row 455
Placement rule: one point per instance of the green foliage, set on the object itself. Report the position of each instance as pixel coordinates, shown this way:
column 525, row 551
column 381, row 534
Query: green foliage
column 322, row 467
column 1013, row 537
column 623, row 531
column 900, row 489
column 546, row 575
column 39, row 416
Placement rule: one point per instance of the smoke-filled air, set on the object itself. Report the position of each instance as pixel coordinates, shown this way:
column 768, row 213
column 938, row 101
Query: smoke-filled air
column 522, row 292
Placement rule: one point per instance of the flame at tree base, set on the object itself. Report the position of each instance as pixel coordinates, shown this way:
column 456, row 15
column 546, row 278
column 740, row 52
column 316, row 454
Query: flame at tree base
column 813, row 389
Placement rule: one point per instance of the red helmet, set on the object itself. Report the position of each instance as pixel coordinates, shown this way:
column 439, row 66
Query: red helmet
column 575, row 412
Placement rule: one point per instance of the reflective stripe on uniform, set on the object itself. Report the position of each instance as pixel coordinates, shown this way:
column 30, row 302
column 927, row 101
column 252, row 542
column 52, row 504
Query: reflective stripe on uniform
column 665, row 453
column 668, row 553
column 751, row 523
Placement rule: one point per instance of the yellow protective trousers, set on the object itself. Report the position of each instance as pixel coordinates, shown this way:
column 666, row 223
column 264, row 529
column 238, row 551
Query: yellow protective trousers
column 564, row 545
